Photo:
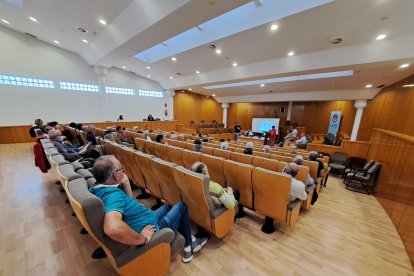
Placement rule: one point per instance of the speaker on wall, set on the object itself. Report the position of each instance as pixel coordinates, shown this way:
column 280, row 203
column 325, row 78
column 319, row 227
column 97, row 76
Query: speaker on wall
column 282, row 109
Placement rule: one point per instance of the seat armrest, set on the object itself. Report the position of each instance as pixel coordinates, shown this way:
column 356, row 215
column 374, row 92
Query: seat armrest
column 293, row 204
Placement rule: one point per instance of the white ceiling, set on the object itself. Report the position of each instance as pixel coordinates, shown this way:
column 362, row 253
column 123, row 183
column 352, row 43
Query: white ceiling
column 136, row 25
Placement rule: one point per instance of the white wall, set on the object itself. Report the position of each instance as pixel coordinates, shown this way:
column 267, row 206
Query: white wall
column 25, row 56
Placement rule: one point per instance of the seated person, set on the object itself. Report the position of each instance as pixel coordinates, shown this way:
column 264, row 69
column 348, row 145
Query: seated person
column 219, row 195
column 54, row 124
column 248, row 133
column 173, row 135
column 224, row 145
column 150, row 118
column 135, row 128
column 90, row 134
column 120, row 137
column 70, row 153
column 109, row 135
column 120, row 118
column 302, row 140
column 160, row 139
column 297, row 188
column 298, row 159
column 266, row 149
column 127, row 221
column 197, row 145
column 249, row 148
column 293, row 149
column 38, row 125
column 313, row 156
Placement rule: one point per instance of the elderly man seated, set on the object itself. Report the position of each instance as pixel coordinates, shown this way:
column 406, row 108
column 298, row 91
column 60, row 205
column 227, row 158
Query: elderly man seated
column 129, row 222
column 297, row 188
column 298, row 159
column 71, row 153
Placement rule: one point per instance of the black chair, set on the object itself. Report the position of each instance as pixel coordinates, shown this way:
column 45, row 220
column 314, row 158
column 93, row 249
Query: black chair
column 356, row 163
column 362, row 181
column 338, row 161
column 202, row 121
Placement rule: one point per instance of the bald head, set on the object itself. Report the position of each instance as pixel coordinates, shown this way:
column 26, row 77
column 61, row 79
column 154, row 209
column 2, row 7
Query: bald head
column 292, row 169
column 298, row 159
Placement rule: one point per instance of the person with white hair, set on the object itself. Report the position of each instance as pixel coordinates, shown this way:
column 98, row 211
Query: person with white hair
column 249, row 148
column 297, row 188
column 224, row 146
column 298, row 159
column 266, row 149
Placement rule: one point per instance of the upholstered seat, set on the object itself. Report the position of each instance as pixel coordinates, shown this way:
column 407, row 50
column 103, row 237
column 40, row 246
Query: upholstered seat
column 163, row 171
column 215, row 168
column 239, row 177
column 190, row 157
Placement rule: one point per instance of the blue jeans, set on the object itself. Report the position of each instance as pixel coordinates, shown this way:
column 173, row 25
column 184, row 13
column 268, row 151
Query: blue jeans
column 176, row 218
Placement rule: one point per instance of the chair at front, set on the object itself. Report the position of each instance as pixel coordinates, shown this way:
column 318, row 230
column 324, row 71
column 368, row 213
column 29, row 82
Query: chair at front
column 194, row 188
column 338, row 161
column 362, row 181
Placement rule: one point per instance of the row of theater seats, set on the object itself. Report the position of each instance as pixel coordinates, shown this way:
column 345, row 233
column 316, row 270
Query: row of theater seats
column 125, row 259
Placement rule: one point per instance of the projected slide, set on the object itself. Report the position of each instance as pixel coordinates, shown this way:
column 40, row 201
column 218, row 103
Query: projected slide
column 264, row 124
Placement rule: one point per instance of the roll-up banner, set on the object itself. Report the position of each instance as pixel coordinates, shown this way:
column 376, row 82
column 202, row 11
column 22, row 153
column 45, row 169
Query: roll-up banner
column 334, row 122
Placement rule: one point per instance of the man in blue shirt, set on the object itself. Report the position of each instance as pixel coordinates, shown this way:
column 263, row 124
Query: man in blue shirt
column 127, row 221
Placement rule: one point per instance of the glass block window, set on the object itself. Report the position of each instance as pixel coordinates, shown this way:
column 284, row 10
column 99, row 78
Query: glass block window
column 150, row 93
column 26, row 81
column 79, row 86
column 119, row 90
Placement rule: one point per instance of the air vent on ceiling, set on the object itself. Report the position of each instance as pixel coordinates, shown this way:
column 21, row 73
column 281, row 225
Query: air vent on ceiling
column 82, row 30
column 132, row 72
column 336, row 39
column 31, row 35
column 164, row 44
column 178, row 74
column 212, row 46
column 381, row 86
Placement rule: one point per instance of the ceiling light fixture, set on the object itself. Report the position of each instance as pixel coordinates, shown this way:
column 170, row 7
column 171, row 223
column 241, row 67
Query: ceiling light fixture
column 33, row 19
column 123, row 67
column 235, row 64
column 291, row 54
column 190, row 89
column 85, row 41
column 103, row 22
column 148, row 76
column 56, row 42
column 262, row 85
column 408, row 85
column 274, row 27
column 148, row 67
column 218, row 51
column 368, row 86
column 197, row 72
column 5, row 21
column 405, row 65
column 174, row 59
column 171, row 77
column 381, row 37
column 214, row 95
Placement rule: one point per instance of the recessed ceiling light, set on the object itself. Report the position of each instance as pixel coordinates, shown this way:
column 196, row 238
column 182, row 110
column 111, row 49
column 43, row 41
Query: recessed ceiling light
column 5, row 21
column 381, row 36
column 190, row 89
column 103, row 22
column 173, row 59
column 218, row 51
column 56, row 42
column 148, row 76
column 84, row 40
column 405, row 65
column 262, row 85
column 123, row 67
column 33, row 19
column 235, row 64
column 197, row 72
column 214, row 95
column 409, row 85
column 368, row 86
column 274, row 27
column 148, row 67
column 291, row 54
column 171, row 77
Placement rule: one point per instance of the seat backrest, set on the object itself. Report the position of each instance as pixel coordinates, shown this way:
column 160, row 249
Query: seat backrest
column 239, row 150
column 150, row 147
column 82, row 135
column 239, row 177
column 190, row 157
column 339, row 158
column 144, row 162
column 66, row 173
column 137, row 175
column 280, row 166
column 313, row 168
column 164, row 173
column 221, row 153
column 241, row 158
column 271, row 193
column 180, row 144
column 189, row 146
column 207, row 150
column 302, row 174
column 215, row 168
column 368, row 165
column 175, row 155
column 261, row 154
column 194, row 188
column 140, row 144
column 161, row 151
column 265, row 163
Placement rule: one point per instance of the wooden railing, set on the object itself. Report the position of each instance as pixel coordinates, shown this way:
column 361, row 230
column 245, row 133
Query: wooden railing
column 395, row 186
column 351, row 148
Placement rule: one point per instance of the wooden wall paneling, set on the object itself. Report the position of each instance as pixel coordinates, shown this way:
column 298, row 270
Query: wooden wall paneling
column 194, row 107
column 395, row 187
column 15, row 134
column 391, row 109
column 351, row 148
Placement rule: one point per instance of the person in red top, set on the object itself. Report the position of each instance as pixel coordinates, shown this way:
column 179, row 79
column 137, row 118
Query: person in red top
column 273, row 135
